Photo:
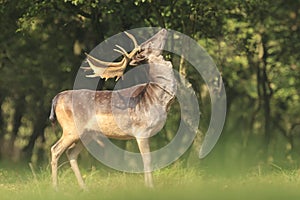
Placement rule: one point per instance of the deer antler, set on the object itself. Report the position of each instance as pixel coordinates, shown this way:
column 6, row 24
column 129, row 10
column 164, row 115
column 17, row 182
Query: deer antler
column 112, row 69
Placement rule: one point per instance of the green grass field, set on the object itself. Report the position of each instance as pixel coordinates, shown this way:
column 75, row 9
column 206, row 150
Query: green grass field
column 170, row 183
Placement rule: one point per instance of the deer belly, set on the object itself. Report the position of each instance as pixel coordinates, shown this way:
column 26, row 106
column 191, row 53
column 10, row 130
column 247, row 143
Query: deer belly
column 110, row 126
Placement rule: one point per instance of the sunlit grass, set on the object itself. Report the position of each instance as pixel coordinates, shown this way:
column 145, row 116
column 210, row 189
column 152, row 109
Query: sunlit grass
column 170, row 183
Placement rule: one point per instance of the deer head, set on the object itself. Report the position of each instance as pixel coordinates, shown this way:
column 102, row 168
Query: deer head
column 140, row 53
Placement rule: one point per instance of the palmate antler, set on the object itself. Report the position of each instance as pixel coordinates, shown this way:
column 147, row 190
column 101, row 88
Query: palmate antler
column 112, row 69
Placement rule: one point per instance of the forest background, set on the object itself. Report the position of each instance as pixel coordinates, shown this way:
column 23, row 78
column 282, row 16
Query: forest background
column 254, row 44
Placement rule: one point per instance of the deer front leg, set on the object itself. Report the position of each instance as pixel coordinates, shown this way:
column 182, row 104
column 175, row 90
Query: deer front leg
column 144, row 147
column 72, row 154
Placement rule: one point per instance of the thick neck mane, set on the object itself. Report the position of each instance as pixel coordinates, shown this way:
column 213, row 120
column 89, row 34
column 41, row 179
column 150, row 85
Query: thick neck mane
column 161, row 73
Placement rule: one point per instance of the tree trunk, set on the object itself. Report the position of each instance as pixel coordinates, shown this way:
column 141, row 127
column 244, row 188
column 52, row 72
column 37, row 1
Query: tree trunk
column 2, row 124
column 19, row 110
column 38, row 131
column 266, row 91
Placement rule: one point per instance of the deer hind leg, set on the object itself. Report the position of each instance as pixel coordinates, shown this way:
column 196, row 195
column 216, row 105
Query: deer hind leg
column 144, row 147
column 72, row 154
column 56, row 151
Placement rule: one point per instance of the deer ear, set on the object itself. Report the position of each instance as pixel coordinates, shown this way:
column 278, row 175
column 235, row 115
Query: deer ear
column 138, row 58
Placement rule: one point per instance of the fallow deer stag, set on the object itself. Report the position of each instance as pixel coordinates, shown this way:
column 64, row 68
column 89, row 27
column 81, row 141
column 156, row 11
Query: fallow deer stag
column 147, row 107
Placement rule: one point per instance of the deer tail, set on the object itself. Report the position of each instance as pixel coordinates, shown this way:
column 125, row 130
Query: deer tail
column 52, row 116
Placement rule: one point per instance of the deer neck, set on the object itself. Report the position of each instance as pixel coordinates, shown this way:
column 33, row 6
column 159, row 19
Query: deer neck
column 161, row 73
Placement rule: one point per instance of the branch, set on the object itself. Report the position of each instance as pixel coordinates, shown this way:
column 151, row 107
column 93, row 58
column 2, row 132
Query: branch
column 70, row 8
column 293, row 127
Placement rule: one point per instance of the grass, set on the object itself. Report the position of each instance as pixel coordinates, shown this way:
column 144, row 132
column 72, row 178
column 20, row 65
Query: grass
column 170, row 183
